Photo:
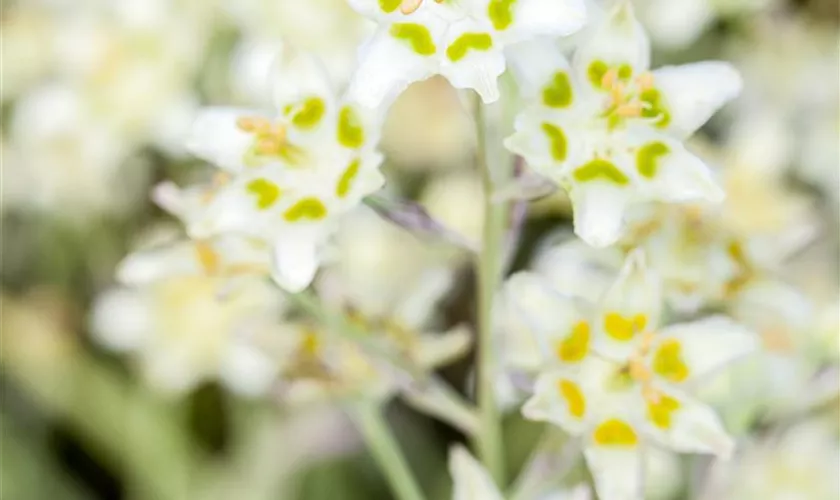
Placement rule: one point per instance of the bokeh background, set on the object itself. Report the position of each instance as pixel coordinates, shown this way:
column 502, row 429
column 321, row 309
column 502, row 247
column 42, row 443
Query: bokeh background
column 96, row 99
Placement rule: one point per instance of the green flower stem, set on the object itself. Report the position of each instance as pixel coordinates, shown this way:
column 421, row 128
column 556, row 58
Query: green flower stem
column 386, row 451
column 495, row 167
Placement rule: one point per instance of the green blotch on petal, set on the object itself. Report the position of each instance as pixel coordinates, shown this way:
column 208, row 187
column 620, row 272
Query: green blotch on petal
column 600, row 169
column 501, row 13
column 557, row 140
column 596, row 71
column 312, row 110
column 347, row 178
column 306, row 209
column 266, row 192
column 655, row 108
column 417, row 35
column 389, row 6
column 350, row 131
column 467, row 42
column 625, row 71
column 647, row 158
column 558, row 94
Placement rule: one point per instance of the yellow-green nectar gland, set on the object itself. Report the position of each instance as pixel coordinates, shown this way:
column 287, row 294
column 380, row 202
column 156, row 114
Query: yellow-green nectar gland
column 500, row 13
column 416, row 36
column 269, row 141
column 666, row 363
column 479, row 42
column 406, row 6
column 627, row 97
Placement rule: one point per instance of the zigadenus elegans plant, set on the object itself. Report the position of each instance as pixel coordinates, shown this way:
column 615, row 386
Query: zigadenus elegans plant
column 604, row 127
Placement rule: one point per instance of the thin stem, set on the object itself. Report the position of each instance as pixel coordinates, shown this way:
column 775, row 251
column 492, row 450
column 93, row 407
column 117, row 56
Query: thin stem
column 386, row 451
column 491, row 162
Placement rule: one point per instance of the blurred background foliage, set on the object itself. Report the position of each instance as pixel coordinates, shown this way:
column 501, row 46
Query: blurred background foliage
column 95, row 100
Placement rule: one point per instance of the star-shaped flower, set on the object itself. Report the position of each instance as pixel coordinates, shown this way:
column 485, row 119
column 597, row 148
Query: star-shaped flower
column 288, row 175
column 462, row 40
column 616, row 378
column 610, row 131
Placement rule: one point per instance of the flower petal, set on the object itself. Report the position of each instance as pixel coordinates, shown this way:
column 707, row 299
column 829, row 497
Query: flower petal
column 472, row 58
column 534, row 63
column 440, row 349
column 524, row 19
column 554, row 321
column 144, row 267
column 669, row 172
column 295, row 263
column 599, row 210
column 121, row 320
column 629, row 308
column 692, row 93
column 559, row 398
column 246, row 370
column 396, row 56
column 619, row 41
column 471, row 480
column 301, row 89
column 681, row 423
column 216, row 138
column 616, row 469
column 688, row 351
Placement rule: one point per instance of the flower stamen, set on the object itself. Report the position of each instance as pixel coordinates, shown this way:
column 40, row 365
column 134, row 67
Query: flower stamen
column 410, row 6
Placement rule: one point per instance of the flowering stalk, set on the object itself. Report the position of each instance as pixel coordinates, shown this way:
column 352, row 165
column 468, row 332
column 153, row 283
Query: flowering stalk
column 492, row 162
column 386, row 451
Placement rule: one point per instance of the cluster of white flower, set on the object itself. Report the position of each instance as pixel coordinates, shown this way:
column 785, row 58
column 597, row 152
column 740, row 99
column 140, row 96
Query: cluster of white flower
column 602, row 333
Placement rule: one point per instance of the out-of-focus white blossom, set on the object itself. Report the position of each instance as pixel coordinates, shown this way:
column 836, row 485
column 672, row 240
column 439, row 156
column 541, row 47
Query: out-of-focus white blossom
column 62, row 158
column 614, row 377
column 268, row 25
column 799, row 463
column 182, row 331
column 463, row 41
column 610, row 131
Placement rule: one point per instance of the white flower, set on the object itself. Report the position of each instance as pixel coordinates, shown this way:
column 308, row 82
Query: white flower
column 473, row 482
column 291, row 173
column 63, row 158
column 616, row 378
column 610, row 131
column 181, row 331
column 801, row 463
column 463, row 41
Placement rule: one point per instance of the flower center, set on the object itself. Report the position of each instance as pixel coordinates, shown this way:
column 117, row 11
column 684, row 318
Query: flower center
column 269, row 138
column 636, row 371
column 410, row 6
column 270, row 141
column 627, row 96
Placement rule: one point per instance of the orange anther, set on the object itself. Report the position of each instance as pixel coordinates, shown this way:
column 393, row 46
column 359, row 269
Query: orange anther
column 645, row 81
column 629, row 110
column 609, row 79
column 410, row 6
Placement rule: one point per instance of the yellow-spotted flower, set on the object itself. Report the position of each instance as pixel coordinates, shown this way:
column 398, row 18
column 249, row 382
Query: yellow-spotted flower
column 609, row 130
column 462, row 40
column 287, row 176
column 618, row 379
